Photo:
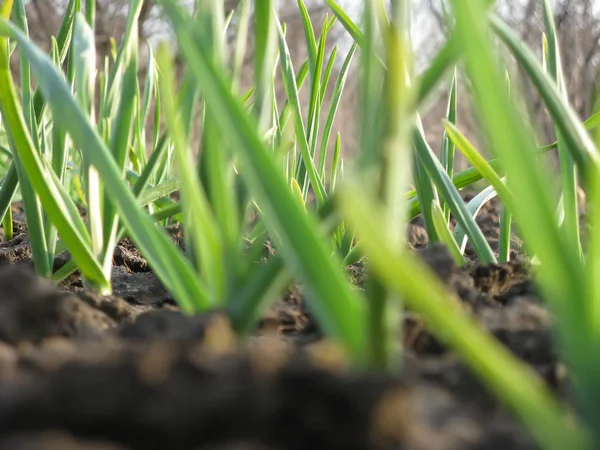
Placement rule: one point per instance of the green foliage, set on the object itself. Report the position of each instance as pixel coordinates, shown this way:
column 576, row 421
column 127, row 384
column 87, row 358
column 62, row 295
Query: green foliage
column 106, row 142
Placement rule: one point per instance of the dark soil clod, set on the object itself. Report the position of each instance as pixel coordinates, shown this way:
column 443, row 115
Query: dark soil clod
column 130, row 371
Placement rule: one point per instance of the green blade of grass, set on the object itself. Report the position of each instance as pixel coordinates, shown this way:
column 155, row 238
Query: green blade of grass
column 314, row 103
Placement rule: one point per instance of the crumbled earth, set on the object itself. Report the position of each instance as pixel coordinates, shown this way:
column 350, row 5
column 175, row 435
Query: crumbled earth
column 130, row 371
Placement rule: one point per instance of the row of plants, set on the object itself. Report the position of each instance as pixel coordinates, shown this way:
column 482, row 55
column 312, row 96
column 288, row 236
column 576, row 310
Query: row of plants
column 117, row 146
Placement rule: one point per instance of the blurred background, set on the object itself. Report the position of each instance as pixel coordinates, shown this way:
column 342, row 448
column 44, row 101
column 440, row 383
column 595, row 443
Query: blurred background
column 577, row 21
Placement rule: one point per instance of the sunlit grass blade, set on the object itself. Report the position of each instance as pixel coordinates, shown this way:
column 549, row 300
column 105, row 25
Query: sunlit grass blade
column 120, row 144
column 123, row 56
column 331, row 62
column 42, row 255
column 370, row 96
column 387, row 154
column 83, row 56
column 335, row 164
column 592, row 261
column 423, row 292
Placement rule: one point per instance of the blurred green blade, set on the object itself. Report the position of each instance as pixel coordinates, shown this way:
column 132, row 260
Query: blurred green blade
column 303, row 248
column 560, row 275
column 202, row 226
column 448, row 55
column 347, row 22
column 422, row 291
column 262, row 285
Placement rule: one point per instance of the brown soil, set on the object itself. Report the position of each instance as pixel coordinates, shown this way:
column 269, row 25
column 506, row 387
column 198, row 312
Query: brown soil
column 129, row 371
